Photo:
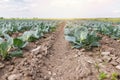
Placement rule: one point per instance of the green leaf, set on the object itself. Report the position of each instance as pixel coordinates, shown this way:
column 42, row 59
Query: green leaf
column 114, row 76
column 29, row 34
column 1, row 40
column 70, row 38
column 9, row 39
column 95, row 44
column 77, row 45
column 19, row 43
column 17, row 53
column 102, row 76
column 4, row 48
column 32, row 39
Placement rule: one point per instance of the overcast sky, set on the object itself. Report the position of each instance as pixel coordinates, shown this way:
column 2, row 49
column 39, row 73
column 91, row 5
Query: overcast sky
column 60, row 8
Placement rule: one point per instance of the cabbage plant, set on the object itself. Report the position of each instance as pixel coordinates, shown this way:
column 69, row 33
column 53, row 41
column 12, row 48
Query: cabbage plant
column 81, row 37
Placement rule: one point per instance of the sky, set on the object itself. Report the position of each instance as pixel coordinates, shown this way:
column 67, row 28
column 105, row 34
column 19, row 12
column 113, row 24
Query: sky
column 59, row 8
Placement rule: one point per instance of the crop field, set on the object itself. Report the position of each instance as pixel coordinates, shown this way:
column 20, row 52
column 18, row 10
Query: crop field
column 66, row 49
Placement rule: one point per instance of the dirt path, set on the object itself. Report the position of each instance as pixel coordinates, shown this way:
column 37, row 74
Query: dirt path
column 64, row 63
column 59, row 49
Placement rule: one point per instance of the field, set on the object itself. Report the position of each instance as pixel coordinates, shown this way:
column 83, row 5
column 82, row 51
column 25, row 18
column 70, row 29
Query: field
column 65, row 49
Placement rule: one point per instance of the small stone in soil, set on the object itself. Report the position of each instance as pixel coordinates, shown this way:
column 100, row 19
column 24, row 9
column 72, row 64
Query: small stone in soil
column 82, row 50
column 107, row 58
column 118, row 40
column 15, row 77
column 2, row 65
column 105, row 53
column 51, row 78
column 36, row 50
column 114, row 63
column 118, row 60
column 118, row 66
column 114, row 57
column 54, row 74
column 27, row 78
column 11, row 68
column 49, row 72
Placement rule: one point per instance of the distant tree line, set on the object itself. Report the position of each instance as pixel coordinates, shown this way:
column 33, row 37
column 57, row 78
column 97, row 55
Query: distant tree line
column 1, row 17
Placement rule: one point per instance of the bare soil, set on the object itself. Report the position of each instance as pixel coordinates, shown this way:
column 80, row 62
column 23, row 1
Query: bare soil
column 52, row 58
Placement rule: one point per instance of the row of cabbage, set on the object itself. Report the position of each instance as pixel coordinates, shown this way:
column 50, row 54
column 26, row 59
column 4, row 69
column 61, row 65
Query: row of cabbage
column 31, row 30
column 86, row 34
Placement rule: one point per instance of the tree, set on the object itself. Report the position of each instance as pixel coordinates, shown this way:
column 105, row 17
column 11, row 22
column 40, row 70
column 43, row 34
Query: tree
column 1, row 17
